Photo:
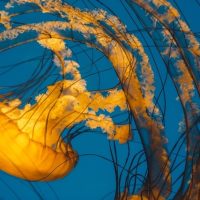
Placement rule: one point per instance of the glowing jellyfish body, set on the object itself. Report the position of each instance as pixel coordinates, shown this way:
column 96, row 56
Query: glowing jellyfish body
column 33, row 158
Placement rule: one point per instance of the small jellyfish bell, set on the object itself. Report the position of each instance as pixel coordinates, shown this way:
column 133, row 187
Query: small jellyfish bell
column 31, row 157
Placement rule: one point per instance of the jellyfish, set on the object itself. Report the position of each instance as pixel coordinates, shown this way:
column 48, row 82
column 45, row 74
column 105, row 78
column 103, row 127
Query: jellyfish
column 32, row 147
column 34, row 144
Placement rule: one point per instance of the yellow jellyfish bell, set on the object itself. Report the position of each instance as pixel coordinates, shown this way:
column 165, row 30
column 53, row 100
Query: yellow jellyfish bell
column 43, row 156
column 136, row 197
column 139, row 197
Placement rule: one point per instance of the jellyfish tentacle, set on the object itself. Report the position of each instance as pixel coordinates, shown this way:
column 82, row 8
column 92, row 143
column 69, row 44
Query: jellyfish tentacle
column 185, row 87
column 185, row 40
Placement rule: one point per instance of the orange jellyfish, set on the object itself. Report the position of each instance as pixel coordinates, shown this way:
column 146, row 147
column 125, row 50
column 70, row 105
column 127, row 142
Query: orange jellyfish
column 135, row 76
column 38, row 156
column 32, row 147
